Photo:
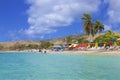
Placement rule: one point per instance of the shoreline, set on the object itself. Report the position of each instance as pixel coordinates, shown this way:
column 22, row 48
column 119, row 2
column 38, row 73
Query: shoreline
column 95, row 52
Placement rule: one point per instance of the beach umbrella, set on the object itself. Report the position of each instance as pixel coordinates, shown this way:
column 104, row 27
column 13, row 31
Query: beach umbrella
column 111, row 43
column 88, row 46
column 74, row 45
column 115, row 43
column 71, row 46
column 84, row 45
column 77, row 45
column 80, row 45
column 112, row 39
column 96, row 45
column 100, row 43
column 104, row 44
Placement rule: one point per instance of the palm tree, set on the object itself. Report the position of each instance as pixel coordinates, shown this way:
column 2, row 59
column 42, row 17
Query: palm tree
column 88, row 25
column 109, row 32
column 98, row 27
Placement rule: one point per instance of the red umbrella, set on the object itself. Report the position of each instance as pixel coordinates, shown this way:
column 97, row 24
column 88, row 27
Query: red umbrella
column 77, row 45
column 111, row 43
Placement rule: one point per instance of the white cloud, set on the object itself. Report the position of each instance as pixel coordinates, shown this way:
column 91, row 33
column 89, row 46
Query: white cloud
column 45, row 16
column 114, row 11
column 107, row 27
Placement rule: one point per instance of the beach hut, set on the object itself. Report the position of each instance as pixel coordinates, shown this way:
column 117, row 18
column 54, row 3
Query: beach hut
column 64, row 46
column 56, row 47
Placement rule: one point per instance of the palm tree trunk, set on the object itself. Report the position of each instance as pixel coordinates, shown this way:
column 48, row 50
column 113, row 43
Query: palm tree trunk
column 98, row 32
column 91, row 35
column 91, row 40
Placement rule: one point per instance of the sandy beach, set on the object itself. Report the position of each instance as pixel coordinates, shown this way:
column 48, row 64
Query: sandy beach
column 117, row 52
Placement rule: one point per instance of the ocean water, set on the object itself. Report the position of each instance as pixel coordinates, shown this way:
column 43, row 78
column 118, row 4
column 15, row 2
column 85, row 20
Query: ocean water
column 18, row 66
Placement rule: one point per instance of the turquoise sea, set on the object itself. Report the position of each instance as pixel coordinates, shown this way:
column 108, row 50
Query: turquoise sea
column 27, row 66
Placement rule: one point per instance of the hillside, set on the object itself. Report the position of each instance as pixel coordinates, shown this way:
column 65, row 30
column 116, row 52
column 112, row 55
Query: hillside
column 8, row 45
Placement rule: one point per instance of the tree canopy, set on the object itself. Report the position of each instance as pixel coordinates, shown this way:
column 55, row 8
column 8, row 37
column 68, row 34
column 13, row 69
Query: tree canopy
column 91, row 28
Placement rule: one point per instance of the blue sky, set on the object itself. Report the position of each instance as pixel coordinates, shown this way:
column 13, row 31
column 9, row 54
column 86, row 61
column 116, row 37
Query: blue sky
column 47, row 19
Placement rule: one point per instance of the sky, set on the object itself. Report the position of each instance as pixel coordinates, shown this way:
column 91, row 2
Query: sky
column 48, row 19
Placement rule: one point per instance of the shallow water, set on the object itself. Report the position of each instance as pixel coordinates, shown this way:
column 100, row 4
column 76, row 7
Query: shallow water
column 16, row 66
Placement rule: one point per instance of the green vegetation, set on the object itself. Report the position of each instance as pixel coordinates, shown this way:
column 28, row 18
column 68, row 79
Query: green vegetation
column 107, row 37
column 99, row 27
column 18, row 46
column 72, row 39
column 45, row 44
column 68, row 39
column 1, row 47
column 90, row 27
column 32, row 46
column 23, row 46
column 82, row 40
